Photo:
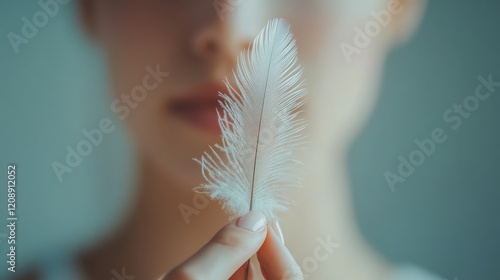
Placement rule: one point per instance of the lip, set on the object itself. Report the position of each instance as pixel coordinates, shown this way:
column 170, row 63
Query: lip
column 198, row 106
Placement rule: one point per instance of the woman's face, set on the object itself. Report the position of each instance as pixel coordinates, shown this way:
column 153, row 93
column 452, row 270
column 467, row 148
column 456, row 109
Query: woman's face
column 168, row 59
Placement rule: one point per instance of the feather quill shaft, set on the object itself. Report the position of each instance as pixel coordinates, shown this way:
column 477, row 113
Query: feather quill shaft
column 255, row 165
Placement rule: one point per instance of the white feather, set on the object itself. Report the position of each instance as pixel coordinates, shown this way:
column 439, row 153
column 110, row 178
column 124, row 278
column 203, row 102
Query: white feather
column 255, row 166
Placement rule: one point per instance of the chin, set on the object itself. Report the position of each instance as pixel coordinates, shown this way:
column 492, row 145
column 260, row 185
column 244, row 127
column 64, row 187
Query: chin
column 177, row 163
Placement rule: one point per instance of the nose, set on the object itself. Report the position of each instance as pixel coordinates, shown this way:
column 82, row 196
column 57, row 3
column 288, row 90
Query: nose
column 236, row 24
column 209, row 42
column 220, row 42
column 210, row 45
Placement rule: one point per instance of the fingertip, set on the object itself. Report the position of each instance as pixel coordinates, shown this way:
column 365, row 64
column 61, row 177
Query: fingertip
column 253, row 221
column 275, row 226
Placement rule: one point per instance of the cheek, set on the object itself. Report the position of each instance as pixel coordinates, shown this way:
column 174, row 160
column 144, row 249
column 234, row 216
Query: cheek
column 132, row 43
column 312, row 24
column 137, row 34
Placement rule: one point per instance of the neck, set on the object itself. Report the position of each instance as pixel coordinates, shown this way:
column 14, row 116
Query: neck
column 156, row 236
column 327, row 215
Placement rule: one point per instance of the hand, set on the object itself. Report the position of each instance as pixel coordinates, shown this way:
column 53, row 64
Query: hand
column 225, row 256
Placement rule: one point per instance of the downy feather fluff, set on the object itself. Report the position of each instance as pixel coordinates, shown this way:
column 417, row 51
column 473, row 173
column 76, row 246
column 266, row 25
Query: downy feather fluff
column 255, row 166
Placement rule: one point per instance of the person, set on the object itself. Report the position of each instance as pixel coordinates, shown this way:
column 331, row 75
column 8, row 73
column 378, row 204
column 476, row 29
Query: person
column 192, row 45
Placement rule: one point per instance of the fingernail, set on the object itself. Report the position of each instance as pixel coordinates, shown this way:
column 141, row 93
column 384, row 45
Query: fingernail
column 277, row 230
column 253, row 220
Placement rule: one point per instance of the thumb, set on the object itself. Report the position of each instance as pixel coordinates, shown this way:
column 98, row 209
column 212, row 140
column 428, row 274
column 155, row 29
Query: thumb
column 227, row 251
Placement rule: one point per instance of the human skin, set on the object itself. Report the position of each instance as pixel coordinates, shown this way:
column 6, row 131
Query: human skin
column 176, row 122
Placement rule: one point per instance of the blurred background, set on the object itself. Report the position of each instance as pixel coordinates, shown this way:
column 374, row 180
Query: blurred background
column 444, row 217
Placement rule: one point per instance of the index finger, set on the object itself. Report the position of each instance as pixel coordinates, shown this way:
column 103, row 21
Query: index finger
column 275, row 260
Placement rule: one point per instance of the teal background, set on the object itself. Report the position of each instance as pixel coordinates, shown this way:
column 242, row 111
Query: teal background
column 50, row 91
column 444, row 217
